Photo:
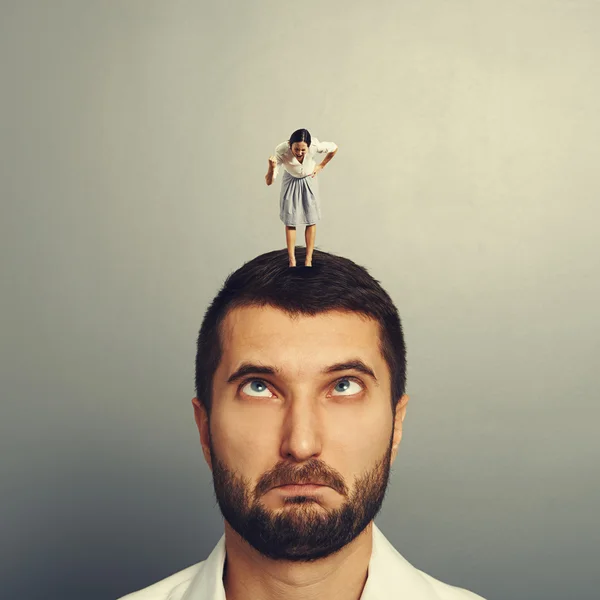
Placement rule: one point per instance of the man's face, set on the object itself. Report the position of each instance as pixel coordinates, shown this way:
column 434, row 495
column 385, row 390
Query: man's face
column 298, row 400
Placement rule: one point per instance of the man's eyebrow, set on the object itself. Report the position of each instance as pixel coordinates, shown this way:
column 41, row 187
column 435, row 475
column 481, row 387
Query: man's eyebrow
column 248, row 368
column 251, row 369
column 352, row 365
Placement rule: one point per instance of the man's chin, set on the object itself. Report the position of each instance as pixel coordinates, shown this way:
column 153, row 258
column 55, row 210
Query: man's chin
column 293, row 533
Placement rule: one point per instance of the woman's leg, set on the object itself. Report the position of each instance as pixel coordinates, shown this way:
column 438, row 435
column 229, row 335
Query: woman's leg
column 310, row 233
column 290, row 239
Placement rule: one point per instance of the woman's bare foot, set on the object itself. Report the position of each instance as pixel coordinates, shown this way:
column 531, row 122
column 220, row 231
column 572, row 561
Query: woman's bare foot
column 292, row 262
column 308, row 263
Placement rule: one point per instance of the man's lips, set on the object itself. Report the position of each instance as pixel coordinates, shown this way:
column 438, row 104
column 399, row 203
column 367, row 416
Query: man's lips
column 301, row 487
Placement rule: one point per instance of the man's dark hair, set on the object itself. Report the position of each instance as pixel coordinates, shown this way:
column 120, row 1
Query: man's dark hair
column 333, row 283
column 300, row 135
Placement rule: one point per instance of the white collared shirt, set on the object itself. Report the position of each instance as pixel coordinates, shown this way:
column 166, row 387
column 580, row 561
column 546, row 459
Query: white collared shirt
column 390, row 576
column 285, row 157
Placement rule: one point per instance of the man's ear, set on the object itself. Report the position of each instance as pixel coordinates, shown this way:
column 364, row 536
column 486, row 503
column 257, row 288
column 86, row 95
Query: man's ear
column 201, row 418
column 398, row 424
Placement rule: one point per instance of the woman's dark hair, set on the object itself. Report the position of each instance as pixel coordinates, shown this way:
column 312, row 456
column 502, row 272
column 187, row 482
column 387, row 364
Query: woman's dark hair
column 300, row 135
column 333, row 283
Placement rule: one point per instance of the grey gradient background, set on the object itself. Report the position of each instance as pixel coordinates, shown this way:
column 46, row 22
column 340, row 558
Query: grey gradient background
column 134, row 140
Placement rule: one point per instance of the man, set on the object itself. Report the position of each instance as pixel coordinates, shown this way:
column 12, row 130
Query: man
column 300, row 380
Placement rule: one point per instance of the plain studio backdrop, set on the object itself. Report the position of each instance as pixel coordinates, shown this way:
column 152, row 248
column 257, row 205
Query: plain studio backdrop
column 134, row 143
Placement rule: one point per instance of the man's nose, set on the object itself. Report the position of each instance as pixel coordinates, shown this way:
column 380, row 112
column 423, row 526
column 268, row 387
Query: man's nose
column 302, row 431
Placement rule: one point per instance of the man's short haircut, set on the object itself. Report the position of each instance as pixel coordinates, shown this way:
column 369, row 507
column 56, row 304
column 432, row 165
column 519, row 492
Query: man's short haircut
column 334, row 283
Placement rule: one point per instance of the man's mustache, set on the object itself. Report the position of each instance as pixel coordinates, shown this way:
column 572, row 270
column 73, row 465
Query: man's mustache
column 313, row 471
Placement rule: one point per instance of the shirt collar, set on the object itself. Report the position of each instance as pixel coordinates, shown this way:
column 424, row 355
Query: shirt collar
column 389, row 572
column 207, row 584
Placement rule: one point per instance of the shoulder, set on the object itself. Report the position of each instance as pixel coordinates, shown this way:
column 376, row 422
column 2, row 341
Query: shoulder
column 444, row 591
column 396, row 573
column 282, row 148
column 319, row 146
column 166, row 588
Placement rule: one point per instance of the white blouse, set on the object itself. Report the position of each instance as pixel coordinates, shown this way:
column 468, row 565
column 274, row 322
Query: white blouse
column 285, row 157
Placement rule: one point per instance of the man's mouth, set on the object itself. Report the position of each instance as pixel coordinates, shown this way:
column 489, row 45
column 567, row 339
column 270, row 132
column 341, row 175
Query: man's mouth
column 301, row 488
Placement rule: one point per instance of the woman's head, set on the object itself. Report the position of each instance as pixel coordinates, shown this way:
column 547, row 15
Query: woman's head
column 300, row 143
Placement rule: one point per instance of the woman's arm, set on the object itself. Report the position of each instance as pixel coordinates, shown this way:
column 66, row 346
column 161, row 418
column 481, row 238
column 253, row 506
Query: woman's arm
column 327, row 158
column 271, row 171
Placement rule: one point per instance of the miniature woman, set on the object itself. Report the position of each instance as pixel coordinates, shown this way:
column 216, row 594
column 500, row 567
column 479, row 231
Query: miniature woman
column 299, row 202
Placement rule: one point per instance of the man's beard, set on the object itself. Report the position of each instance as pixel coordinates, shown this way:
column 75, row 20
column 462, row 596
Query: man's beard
column 302, row 531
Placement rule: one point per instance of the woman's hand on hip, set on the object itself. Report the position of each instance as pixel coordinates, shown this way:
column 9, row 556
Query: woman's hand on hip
column 317, row 170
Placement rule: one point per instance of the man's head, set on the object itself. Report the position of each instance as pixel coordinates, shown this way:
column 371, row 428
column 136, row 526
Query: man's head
column 296, row 372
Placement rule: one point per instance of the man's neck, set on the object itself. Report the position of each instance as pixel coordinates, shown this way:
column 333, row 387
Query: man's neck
column 341, row 576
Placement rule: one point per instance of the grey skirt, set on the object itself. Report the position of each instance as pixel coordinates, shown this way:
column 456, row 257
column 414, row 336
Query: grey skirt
column 299, row 200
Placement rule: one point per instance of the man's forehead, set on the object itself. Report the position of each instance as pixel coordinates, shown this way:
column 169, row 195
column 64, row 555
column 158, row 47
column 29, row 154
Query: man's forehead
column 270, row 334
column 242, row 322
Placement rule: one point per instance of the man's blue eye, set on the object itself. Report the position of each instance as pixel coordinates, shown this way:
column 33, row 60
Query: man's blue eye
column 256, row 387
column 347, row 387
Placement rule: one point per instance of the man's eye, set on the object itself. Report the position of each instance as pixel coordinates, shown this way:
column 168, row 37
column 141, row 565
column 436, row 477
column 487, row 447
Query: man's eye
column 347, row 387
column 257, row 388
